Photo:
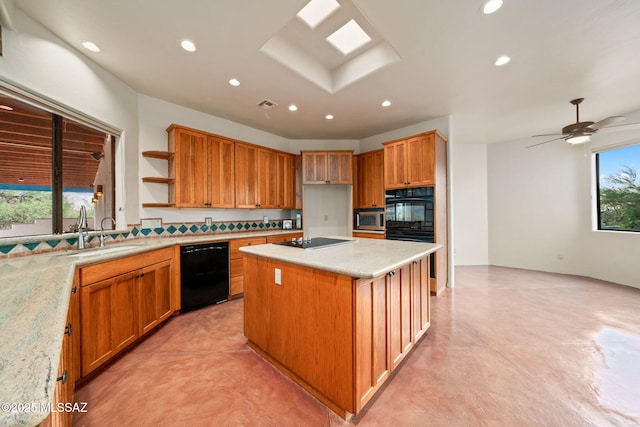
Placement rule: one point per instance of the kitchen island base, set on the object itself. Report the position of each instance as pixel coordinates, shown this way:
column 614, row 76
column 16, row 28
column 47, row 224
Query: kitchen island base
column 339, row 337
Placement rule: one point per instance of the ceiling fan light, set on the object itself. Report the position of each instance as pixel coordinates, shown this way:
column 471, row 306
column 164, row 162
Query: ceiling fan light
column 491, row 6
column 578, row 139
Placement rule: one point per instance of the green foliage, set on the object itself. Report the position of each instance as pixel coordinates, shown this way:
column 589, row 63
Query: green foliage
column 620, row 201
column 24, row 207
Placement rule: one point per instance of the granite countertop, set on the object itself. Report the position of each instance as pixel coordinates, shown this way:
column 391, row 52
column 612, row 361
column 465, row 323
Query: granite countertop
column 34, row 300
column 362, row 258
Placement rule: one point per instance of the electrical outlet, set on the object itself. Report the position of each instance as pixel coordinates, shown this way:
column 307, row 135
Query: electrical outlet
column 278, row 277
column 265, row 219
column 207, row 221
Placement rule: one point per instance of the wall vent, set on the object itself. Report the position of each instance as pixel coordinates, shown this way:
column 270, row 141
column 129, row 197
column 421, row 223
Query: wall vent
column 266, row 104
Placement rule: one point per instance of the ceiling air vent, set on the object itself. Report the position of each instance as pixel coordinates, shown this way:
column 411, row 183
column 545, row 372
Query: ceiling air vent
column 266, row 104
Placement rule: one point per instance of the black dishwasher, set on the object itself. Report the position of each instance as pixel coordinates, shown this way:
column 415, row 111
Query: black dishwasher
column 204, row 275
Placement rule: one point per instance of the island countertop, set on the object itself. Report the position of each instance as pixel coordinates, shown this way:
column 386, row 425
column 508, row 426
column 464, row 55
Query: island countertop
column 360, row 257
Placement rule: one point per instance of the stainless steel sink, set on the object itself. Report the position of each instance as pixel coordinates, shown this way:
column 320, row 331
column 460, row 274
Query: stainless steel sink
column 101, row 251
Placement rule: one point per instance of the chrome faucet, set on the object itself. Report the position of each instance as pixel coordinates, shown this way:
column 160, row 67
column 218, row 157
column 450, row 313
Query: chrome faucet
column 82, row 227
column 113, row 221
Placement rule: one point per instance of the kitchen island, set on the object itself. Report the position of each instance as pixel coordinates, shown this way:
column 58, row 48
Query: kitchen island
column 337, row 320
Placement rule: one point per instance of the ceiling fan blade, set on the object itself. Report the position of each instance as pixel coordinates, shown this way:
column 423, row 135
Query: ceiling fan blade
column 550, row 134
column 619, row 128
column 605, row 122
column 544, row 142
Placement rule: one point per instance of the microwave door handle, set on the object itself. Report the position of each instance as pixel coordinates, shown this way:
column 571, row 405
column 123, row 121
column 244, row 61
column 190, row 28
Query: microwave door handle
column 357, row 220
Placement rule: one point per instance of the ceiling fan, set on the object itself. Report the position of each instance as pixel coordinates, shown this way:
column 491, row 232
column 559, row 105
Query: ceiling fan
column 580, row 132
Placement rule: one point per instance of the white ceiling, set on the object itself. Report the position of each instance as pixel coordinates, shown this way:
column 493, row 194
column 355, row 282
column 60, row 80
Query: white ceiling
column 560, row 49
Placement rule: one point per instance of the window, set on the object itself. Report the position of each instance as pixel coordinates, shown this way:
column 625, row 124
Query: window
column 618, row 187
column 49, row 167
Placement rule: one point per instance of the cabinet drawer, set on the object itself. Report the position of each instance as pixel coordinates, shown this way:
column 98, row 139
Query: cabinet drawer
column 234, row 245
column 107, row 269
column 236, row 267
column 236, row 285
column 283, row 237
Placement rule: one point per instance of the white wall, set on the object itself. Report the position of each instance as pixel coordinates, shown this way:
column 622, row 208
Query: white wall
column 38, row 61
column 540, row 213
column 375, row 142
column 469, row 179
column 327, row 210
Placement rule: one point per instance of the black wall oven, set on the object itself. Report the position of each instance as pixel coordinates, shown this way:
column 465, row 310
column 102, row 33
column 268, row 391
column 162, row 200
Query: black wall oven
column 409, row 213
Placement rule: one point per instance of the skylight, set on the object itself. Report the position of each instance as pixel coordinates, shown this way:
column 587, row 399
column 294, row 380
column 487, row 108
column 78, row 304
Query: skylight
column 349, row 37
column 317, row 11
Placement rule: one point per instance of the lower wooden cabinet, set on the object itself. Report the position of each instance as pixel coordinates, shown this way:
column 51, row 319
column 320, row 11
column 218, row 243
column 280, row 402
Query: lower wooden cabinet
column 120, row 301
column 338, row 337
column 68, row 369
column 236, row 266
column 392, row 313
column 283, row 237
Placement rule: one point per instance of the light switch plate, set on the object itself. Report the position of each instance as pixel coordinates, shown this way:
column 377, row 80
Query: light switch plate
column 278, row 277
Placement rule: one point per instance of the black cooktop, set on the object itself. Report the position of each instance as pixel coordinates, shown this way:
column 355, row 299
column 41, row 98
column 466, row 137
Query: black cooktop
column 313, row 243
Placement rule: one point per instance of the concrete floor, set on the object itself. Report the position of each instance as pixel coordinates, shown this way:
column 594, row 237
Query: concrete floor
column 507, row 347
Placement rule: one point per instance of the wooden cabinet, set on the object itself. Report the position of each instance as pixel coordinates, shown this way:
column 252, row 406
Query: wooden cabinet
column 372, row 340
column 264, row 178
column 120, row 301
column 68, row 369
column 410, row 162
column 368, row 235
column 338, row 337
column 417, row 161
column 283, row 237
column 236, row 263
column 369, row 180
column 327, row 167
column 202, row 169
column 286, row 182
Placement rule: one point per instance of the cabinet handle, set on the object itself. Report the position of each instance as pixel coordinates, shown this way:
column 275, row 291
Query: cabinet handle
column 392, row 273
column 62, row 378
column 67, row 329
column 74, row 289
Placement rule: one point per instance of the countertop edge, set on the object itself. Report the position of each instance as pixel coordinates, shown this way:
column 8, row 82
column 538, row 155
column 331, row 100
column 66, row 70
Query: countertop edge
column 44, row 301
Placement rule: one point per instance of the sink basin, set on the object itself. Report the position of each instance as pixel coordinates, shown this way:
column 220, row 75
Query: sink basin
column 101, row 251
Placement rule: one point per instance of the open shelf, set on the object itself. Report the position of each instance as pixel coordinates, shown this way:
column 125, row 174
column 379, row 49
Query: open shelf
column 157, row 205
column 158, row 154
column 157, row 180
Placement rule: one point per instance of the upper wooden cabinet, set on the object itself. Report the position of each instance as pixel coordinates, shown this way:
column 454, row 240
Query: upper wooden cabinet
column 410, row 162
column 202, row 169
column 326, row 167
column 370, row 188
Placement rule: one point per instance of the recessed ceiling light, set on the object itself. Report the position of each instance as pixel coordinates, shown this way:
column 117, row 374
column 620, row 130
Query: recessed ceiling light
column 293, row 107
column 234, row 82
column 502, row 60
column 90, row 46
column 6, row 108
column 188, row 46
column 491, row 6
column 329, row 117
column 349, row 37
column 317, row 11
column 386, row 103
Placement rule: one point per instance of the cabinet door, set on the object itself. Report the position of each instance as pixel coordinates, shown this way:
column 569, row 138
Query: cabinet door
column 221, row 173
column 108, row 318
column 369, row 182
column 267, row 179
column 246, row 176
column 420, row 297
column 372, row 362
column 395, row 158
column 154, row 295
column 339, row 167
column 190, row 186
column 314, row 168
column 400, row 340
column 420, row 160
column 285, row 190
